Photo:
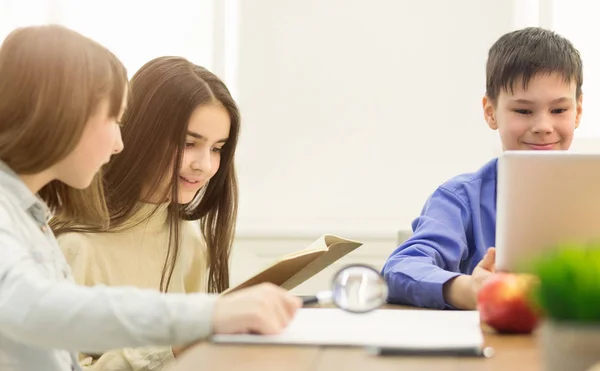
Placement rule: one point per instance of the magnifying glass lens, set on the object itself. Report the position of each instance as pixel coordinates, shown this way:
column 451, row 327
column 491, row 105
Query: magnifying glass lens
column 359, row 289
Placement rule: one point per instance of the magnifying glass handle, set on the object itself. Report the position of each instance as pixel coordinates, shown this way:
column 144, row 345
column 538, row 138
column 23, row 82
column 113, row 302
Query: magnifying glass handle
column 322, row 297
column 310, row 300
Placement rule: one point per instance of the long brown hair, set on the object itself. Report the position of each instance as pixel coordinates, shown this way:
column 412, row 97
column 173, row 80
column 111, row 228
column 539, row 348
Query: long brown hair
column 52, row 81
column 164, row 93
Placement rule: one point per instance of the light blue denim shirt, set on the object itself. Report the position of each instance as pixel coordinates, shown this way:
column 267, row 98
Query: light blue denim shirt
column 45, row 318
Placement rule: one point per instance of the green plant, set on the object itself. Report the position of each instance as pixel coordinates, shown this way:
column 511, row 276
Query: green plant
column 569, row 282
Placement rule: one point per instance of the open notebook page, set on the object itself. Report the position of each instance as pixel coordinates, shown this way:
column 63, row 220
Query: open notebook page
column 419, row 329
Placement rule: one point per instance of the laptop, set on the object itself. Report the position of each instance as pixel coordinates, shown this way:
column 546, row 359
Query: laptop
column 544, row 198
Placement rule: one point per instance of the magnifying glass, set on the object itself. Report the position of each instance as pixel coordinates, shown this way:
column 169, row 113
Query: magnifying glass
column 355, row 288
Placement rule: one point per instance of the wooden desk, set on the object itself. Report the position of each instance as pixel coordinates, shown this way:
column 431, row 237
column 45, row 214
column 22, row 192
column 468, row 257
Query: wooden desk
column 512, row 353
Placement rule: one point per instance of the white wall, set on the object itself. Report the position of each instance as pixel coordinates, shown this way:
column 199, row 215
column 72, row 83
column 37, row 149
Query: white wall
column 354, row 110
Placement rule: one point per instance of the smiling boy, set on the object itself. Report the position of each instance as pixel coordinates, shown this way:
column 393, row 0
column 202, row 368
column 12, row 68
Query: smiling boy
column 534, row 100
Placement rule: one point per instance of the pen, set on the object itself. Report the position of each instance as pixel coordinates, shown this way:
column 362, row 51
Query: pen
column 486, row 352
column 310, row 300
column 322, row 297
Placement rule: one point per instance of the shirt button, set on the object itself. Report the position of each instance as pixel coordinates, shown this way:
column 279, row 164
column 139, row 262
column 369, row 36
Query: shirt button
column 44, row 229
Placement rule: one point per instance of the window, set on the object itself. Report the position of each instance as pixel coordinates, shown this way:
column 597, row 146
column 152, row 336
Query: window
column 138, row 31
column 577, row 20
column 203, row 31
column 19, row 13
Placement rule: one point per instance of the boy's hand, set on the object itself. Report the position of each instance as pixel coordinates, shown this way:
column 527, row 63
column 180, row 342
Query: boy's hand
column 461, row 292
column 263, row 309
column 483, row 271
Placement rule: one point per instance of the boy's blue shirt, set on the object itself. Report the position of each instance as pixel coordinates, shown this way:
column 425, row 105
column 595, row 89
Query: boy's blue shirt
column 456, row 227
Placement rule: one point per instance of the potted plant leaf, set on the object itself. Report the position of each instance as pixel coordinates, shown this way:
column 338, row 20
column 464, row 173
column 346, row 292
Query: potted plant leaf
column 568, row 294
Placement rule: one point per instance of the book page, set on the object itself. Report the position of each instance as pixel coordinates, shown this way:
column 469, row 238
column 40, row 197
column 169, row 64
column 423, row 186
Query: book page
column 318, row 245
column 279, row 272
column 337, row 248
column 293, row 269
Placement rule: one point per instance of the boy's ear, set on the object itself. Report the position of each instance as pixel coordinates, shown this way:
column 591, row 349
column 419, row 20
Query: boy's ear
column 579, row 110
column 489, row 112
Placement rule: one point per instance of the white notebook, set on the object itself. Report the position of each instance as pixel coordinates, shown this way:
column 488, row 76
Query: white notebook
column 418, row 329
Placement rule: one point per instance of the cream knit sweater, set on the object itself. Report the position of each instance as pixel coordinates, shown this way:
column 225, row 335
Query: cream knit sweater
column 135, row 257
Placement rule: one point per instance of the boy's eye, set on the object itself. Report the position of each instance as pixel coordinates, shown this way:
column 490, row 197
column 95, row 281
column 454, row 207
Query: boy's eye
column 523, row 111
column 559, row 110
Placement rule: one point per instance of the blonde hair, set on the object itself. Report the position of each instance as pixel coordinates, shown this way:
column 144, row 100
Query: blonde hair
column 53, row 80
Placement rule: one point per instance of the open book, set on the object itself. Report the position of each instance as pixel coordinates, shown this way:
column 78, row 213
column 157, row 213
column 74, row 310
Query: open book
column 293, row 269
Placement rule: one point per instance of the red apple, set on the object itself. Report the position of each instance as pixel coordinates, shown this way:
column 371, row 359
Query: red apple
column 504, row 304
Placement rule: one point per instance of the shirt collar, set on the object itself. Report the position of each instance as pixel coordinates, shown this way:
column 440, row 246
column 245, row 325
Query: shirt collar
column 31, row 203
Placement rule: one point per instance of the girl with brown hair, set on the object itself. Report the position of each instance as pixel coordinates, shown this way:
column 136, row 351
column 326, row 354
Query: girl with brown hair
column 60, row 99
column 171, row 197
